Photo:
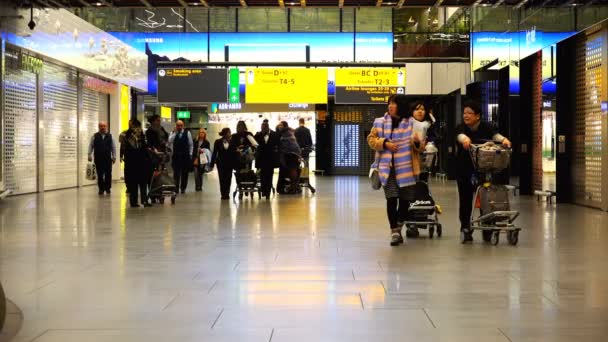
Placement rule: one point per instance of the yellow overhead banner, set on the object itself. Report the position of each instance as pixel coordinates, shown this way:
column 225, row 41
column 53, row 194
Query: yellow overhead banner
column 385, row 77
column 286, row 85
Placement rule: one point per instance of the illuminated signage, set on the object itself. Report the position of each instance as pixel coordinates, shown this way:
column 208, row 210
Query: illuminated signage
column 510, row 47
column 546, row 104
column 286, row 85
column 125, row 111
column 165, row 112
column 30, row 63
column 182, row 114
column 368, row 85
column 192, row 85
column 98, row 85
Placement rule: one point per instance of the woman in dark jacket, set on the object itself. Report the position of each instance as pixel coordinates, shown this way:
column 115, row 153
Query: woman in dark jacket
column 471, row 131
column 200, row 146
column 137, row 164
column 290, row 155
column 244, row 143
column 224, row 156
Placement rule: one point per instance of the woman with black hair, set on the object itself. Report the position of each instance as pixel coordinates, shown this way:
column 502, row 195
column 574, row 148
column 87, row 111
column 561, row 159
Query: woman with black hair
column 471, row 131
column 224, row 155
column 137, row 164
column 290, row 155
column 397, row 149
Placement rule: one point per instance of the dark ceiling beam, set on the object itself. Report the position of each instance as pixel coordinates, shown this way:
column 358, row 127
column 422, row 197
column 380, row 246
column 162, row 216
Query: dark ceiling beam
column 519, row 4
column 498, row 3
column 147, row 4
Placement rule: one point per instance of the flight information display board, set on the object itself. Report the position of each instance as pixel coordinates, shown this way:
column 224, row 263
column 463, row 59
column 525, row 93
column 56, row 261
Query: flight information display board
column 286, row 85
column 368, row 85
column 192, row 85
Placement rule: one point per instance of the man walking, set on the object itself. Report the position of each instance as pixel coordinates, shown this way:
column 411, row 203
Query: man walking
column 181, row 145
column 102, row 150
column 304, row 139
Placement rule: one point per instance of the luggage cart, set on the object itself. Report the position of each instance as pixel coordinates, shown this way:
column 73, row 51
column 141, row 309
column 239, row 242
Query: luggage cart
column 162, row 184
column 495, row 214
column 423, row 212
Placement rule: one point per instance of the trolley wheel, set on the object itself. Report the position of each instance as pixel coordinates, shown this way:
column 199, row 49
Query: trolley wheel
column 431, row 232
column 487, row 235
column 495, row 237
column 161, row 200
column 172, row 199
column 513, row 237
column 439, row 230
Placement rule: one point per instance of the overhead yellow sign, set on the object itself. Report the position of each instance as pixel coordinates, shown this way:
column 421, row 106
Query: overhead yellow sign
column 165, row 112
column 380, row 77
column 286, row 85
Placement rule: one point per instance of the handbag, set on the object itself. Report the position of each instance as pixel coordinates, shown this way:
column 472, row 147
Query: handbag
column 374, row 178
column 91, row 172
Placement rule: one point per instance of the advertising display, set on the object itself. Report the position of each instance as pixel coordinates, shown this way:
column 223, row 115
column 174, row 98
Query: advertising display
column 63, row 36
column 286, row 85
column 258, row 47
column 192, row 85
column 166, row 47
column 301, row 47
column 368, row 85
column 509, row 48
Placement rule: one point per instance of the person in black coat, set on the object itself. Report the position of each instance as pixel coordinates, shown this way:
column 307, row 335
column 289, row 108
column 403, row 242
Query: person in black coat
column 244, row 144
column 304, row 138
column 137, row 164
column 103, row 150
column 181, row 145
column 267, row 156
column 224, row 156
column 200, row 145
column 471, row 131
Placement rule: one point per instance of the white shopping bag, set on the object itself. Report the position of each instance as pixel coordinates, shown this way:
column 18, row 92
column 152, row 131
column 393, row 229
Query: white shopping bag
column 91, row 171
column 202, row 159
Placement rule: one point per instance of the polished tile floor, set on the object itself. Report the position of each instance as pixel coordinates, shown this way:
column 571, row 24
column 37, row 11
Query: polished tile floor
column 310, row 268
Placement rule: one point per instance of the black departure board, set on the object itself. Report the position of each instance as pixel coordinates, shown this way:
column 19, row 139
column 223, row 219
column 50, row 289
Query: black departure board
column 192, row 85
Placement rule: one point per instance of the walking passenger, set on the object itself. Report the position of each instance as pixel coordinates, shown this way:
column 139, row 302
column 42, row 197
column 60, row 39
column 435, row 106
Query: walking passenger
column 181, row 145
column 202, row 156
column 224, row 155
column 471, row 131
column 266, row 156
column 397, row 149
column 102, row 150
column 137, row 164
column 290, row 155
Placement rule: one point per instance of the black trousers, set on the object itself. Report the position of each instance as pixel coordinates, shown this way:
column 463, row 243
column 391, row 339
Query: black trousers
column 466, row 192
column 266, row 175
column 143, row 191
column 225, row 176
column 397, row 211
column 199, row 171
column 180, row 175
column 104, row 174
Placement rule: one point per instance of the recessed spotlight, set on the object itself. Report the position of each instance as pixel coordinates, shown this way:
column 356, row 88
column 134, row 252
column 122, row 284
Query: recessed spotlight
column 98, row 4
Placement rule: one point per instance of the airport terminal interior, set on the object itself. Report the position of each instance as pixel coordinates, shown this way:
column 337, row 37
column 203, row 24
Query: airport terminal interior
column 306, row 170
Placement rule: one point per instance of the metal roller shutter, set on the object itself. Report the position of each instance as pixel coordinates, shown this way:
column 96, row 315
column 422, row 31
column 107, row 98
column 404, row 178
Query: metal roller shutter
column 60, row 127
